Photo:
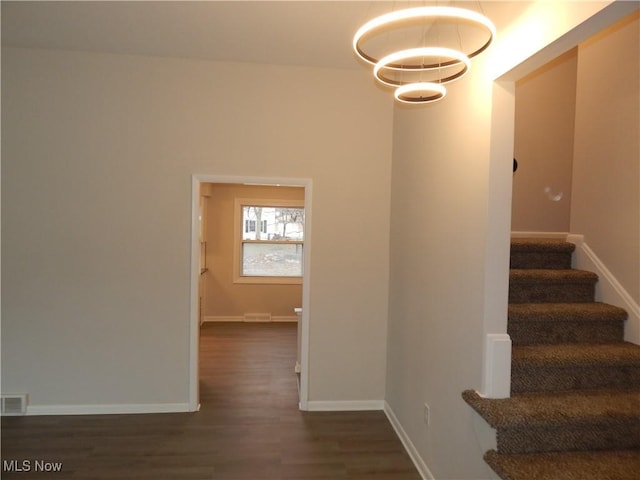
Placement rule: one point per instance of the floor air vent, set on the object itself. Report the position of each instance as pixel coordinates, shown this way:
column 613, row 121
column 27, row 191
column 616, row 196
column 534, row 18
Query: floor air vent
column 257, row 317
column 14, row 404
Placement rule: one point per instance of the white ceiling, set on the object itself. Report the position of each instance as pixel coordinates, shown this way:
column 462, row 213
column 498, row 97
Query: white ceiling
column 307, row 33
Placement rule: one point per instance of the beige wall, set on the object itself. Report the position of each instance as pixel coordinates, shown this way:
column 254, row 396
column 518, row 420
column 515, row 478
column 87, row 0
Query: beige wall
column 223, row 297
column 543, row 146
column 98, row 153
column 606, row 175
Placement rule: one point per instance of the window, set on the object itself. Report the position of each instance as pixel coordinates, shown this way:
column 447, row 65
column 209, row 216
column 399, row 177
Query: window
column 269, row 241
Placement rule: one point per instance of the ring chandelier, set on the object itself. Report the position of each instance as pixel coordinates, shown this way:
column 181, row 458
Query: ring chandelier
column 420, row 92
column 390, row 63
column 419, row 72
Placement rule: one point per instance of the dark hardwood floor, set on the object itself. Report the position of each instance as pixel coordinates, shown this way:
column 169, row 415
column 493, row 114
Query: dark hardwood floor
column 249, row 427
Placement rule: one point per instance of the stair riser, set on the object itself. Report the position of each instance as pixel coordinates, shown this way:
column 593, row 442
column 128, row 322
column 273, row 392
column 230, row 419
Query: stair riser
column 548, row 379
column 535, row 440
column 536, row 333
column 537, row 292
column 539, row 260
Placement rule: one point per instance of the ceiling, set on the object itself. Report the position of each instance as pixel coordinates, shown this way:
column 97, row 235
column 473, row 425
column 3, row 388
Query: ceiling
column 303, row 33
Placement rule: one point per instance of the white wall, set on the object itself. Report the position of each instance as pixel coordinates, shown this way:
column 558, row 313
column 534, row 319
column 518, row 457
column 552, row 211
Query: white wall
column 451, row 177
column 544, row 125
column 602, row 97
column 606, row 198
column 439, row 186
column 98, row 153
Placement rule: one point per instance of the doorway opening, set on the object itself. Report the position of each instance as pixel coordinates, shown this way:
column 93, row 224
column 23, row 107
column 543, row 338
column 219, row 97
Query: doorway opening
column 199, row 266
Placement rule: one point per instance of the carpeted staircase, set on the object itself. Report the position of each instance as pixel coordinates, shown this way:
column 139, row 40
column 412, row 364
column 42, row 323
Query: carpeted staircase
column 574, row 411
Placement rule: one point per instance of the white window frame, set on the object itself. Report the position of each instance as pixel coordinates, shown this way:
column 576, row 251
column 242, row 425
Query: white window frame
column 238, row 241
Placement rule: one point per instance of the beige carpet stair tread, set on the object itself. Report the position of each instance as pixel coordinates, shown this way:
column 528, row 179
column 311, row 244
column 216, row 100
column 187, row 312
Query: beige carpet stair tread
column 545, row 410
column 558, row 312
column 582, row 355
column 596, row 465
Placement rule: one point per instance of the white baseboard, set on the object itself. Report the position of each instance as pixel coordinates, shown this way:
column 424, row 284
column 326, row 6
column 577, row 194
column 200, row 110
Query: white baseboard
column 608, row 288
column 222, row 318
column 344, row 405
column 560, row 235
column 417, row 460
column 240, row 318
column 284, row 318
column 115, row 409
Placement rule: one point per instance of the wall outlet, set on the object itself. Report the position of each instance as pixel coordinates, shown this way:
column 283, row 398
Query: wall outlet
column 426, row 413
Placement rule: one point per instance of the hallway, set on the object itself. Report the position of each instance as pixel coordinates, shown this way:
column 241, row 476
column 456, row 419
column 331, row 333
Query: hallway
column 249, row 427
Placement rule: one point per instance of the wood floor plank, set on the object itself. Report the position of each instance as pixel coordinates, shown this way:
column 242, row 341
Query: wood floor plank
column 249, row 427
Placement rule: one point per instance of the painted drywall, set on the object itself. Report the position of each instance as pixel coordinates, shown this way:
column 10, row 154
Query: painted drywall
column 223, row 297
column 544, row 120
column 435, row 330
column 451, row 180
column 98, row 155
column 606, row 197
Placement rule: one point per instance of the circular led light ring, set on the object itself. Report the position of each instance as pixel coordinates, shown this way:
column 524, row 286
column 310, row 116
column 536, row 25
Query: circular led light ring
column 385, row 21
column 454, row 57
column 437, row 92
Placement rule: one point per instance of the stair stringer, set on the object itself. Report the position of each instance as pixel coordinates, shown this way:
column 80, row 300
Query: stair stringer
column 486, row 438
column 608, row 289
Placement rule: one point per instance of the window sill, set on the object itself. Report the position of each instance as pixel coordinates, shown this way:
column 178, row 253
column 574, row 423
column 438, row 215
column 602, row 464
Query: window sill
column 268, row 280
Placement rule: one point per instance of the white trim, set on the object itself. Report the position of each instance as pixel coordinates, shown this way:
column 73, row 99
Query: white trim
column 194, row 304
column 240, row 318
column 115, row 409
column 498, row 225
column 608, row 288
column 412, row 451
column 344, row 405
column 194, row 322
column 497, row 376
column 559, row 235
column 304, row 321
